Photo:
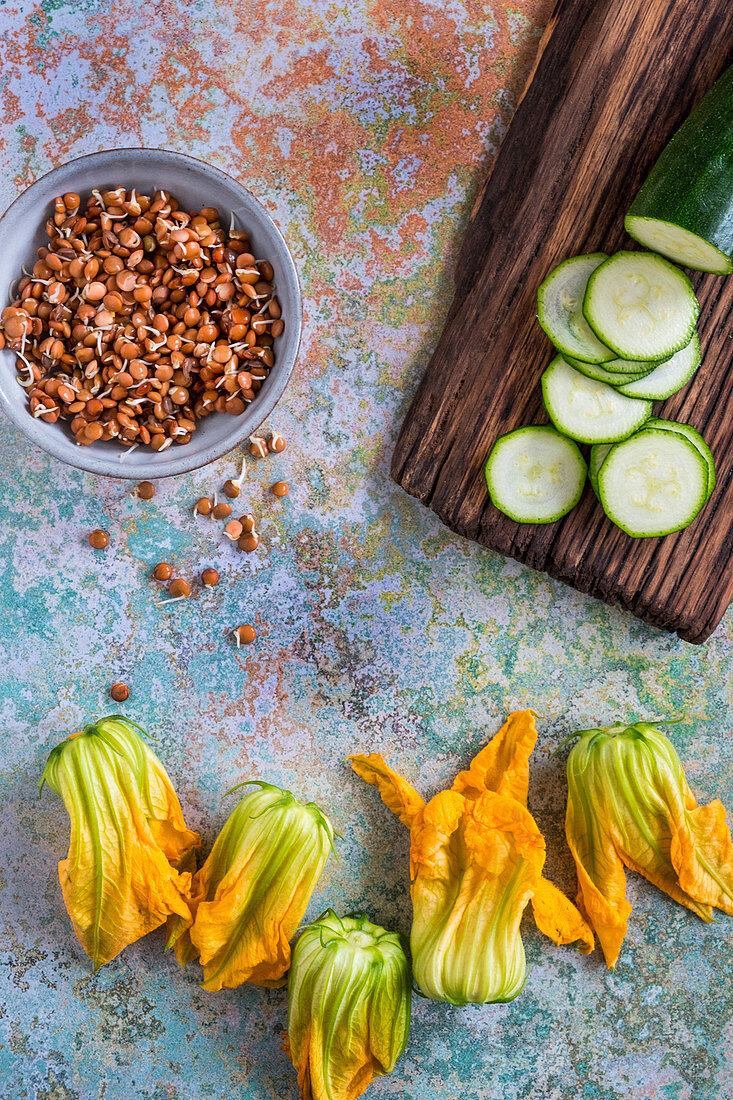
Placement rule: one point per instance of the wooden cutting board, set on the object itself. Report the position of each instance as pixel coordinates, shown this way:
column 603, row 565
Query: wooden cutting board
column 612, row 82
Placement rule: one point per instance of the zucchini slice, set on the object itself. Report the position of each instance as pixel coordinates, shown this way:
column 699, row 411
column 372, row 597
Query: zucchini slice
column 535, row 475
column 598, row 456
column 668, row 377
column 560, row 309
column 601, row 373
column 589, row 411
column 653, row 484
column 679, row 244
column 697, row 441
column 641, row 305
column 685, row 208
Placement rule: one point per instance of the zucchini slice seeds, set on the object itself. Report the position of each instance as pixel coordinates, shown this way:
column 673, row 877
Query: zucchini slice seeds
column 535, row 475
column 590, row 411
column 653, row 484
column 641, row 305
column 560, row 308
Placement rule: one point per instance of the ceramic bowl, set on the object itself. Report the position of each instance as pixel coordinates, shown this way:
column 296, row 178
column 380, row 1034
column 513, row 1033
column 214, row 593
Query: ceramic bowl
column 194, row 184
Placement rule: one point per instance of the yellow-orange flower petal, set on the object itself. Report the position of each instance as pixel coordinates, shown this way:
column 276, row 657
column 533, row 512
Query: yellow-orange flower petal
column 557, row 917
column 117, row 882
column 348, row 1006
column 705, row 865
column 476, row 859
column 629, row 805
column 396, row 793
column 475, row 864
column 503, row 765
column 252, row 892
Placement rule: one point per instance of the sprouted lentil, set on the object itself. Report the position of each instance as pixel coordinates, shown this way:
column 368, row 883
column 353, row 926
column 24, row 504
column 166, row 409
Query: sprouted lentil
column 146, row 490
column 244, row 634
column 233, row 530
column 249, row 542
column 179, row 589
column 99, row 539
column 258, row 447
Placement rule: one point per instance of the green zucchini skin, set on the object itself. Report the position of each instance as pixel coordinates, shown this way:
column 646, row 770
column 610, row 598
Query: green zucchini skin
column 691, row 184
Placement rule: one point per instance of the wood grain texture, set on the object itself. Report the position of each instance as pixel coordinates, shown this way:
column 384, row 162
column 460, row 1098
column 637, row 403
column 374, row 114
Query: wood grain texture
column 612, row 82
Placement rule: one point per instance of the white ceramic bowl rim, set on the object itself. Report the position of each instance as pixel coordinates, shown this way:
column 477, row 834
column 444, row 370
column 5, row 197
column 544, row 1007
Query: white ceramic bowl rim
column 190, row 180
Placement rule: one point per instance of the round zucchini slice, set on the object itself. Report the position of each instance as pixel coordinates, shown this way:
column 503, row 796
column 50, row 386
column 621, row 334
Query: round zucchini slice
column 535, row 475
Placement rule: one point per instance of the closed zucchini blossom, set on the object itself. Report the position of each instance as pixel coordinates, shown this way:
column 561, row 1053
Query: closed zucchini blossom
column 629, row 805
column 251, row 893
column 125, row 872
column 476, row 860
column 348, row 1006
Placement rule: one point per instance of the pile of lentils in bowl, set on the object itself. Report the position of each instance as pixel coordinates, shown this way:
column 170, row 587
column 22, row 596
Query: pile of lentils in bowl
column 140, row 318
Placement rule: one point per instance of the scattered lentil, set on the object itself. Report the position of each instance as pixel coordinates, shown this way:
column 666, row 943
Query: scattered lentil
column 210, row 577
column 119, row 692
column 163, row 571
column 99, row 539
column 249, row 542
column 258, row 447
column 204, row 506
column 145, row 490
column 222, row 510
column 244, row 635
column 276, row 443
column 233, row 530
column 248, row 522
column 281, row 489
column 179, row 588
column 231, row 489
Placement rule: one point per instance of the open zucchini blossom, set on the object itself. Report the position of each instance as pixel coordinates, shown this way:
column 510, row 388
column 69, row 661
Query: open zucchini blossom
column 629, row 806
column 476, row 860
column 348, row 1006
column 251, row 893
column 130, row 850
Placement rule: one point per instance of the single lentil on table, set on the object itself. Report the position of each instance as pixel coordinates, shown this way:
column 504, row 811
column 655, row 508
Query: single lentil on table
column 248, row 542
column 139, row 319
column 258, row 447
column 99, row 539
column 119, row 692
column 146, row 490
column 179, row 588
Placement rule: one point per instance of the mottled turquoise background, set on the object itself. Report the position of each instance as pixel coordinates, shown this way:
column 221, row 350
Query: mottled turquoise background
column 365, row 128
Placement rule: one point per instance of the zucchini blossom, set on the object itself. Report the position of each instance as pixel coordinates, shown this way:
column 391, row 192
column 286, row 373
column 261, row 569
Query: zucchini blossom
column 348, row 1006
column 629, row 805
column 129, row 852
column 476, row 860
column 252, row 892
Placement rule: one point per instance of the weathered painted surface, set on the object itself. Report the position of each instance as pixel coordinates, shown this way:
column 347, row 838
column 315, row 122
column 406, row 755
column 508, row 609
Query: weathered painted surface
column 365, row 128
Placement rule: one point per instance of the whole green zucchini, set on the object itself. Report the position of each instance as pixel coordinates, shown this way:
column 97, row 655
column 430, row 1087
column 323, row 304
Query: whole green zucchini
column 685, row 208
